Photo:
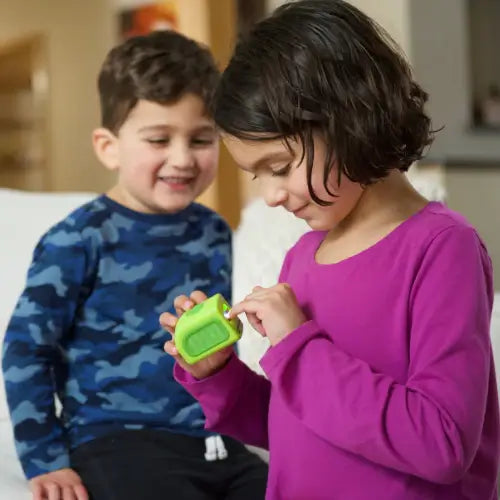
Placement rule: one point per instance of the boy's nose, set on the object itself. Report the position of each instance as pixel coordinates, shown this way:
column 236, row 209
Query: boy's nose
column 180, row 156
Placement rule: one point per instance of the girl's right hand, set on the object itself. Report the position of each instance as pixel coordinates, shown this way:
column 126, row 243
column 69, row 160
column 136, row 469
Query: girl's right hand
column 205, row 367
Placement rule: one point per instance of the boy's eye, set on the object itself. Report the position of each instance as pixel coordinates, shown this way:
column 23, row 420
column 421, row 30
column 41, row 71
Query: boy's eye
column 158, row 141
column 202, row 141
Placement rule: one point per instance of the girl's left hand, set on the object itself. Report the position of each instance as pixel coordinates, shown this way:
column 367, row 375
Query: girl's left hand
column 274, row 312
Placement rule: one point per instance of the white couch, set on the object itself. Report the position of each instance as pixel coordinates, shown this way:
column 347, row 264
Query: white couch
column 257, row 260
column 25, row 216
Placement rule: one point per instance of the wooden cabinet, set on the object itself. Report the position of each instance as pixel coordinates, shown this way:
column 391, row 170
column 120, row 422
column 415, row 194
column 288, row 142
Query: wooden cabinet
column 23, row 115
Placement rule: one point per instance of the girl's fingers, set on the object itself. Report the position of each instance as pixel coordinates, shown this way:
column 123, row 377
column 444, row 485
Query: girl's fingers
column 256, row 324
column 248, row 306
column 168, row 321
column 197, row 296
column 182, row 303
column 169, row 348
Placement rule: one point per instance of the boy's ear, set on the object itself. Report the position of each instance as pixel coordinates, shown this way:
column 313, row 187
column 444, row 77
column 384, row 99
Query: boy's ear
column 106, row 147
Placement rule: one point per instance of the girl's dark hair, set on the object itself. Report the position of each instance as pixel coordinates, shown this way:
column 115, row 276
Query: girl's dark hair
column 322, row 66
column 160, row 67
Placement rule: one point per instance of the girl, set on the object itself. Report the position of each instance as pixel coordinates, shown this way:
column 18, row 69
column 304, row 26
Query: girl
column 380, row 379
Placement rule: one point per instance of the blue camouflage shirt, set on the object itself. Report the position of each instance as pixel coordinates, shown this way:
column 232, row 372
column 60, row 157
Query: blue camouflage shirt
column 86, row 327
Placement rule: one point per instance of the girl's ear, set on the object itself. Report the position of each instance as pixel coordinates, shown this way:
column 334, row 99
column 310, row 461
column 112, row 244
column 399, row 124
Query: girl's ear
column 106, row 147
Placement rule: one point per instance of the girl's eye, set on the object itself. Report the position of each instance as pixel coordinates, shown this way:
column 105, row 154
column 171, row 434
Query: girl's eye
column 281, row 171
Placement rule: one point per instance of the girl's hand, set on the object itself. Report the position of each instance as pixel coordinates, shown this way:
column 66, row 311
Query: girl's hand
column 274, row 312
column 205, row 367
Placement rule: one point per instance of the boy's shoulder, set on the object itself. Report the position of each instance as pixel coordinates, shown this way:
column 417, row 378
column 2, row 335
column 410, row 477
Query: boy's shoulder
column 84, row 217
column 86, row 227
column 101, row 220
column 201, row 213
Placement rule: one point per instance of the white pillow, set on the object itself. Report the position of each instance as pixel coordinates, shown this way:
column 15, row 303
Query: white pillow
column 259, row 246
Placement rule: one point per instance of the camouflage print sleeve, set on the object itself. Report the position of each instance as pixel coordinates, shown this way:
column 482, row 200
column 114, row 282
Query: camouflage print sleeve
column 31, row 358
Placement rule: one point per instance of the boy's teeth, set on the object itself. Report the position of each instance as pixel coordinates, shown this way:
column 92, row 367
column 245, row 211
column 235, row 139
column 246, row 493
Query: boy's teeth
column 176, row 180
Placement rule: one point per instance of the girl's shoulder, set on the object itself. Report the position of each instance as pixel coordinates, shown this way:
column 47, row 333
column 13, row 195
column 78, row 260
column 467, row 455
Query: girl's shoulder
column 437, row 219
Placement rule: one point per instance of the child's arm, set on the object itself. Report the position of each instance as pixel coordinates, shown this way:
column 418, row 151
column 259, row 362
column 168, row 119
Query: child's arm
column 431, row 426
column 32, row 352
column 235, row 401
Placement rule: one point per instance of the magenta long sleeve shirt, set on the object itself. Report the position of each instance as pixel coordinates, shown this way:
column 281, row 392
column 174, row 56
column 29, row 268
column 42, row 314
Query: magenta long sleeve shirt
column 388, row 391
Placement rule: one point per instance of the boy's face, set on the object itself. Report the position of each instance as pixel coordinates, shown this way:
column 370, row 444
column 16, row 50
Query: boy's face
column 165, row 155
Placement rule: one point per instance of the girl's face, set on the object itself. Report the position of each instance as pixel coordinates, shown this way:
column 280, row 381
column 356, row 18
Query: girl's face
column 282, row 178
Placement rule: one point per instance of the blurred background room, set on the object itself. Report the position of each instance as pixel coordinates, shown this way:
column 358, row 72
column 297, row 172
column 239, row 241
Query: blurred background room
column 50, row 53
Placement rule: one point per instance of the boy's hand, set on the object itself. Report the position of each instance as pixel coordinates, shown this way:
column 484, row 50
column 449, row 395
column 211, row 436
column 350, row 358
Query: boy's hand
column 274, row 312
column 205, row 367
column 62, row 484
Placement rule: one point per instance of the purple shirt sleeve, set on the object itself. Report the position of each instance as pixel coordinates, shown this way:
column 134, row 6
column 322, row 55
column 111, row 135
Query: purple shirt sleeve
column 235, row 401
column 431, row 425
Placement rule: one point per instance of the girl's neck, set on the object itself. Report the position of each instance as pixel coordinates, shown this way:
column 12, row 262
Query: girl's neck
column 381, row 209
column 383, row 204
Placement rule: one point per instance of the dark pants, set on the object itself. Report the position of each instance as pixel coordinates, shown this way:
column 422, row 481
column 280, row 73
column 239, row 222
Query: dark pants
column 158, row 465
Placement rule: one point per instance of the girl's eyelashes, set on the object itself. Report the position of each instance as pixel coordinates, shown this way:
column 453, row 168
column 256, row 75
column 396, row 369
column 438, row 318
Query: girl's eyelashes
column 281, row 171
column 276, row 173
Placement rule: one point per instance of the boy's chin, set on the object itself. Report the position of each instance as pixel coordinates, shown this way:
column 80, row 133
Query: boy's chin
column 172, row 208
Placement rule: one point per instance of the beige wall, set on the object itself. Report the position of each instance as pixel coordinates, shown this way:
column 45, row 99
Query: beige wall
column 77, row 36
column 440, row 56
column 393, row 16
column 475, row 193
column 484, row 27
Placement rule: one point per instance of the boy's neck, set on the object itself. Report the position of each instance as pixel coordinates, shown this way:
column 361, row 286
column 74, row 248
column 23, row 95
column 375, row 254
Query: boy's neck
column 118, row 195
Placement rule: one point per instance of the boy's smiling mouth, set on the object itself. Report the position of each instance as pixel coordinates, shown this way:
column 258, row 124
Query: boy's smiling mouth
column 176, row 182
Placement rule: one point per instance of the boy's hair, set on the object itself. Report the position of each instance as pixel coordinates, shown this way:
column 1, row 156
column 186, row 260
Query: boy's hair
column 323, row 67
column 160, row 67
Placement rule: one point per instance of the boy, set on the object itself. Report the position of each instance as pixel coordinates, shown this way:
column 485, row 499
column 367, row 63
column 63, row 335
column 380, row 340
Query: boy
column 86, row 326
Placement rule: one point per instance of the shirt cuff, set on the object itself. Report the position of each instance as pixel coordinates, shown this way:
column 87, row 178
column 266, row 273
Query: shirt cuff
column 221, row 379
column 285, row 349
